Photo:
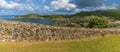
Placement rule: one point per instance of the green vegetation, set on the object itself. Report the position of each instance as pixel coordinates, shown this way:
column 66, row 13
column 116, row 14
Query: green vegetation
column 98, row 22
column 53, row 17
column 103, row 44
column 112, row 14
column 29, row 16
column 81, row 19
column 56, row 17
column 88, row 21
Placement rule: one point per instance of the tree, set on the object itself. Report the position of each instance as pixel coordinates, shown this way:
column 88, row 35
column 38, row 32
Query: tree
column 56, row 17
column 98, row 22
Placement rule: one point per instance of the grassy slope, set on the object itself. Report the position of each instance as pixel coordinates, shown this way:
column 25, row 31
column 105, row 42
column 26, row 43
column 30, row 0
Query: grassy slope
column 113, row 14
column 104, row 44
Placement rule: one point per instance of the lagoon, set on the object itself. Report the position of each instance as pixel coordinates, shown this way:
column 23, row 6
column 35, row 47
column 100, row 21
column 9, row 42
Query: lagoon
column 34, row 20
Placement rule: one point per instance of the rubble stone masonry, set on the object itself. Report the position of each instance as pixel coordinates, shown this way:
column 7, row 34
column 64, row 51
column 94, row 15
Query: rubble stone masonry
column 27, row 31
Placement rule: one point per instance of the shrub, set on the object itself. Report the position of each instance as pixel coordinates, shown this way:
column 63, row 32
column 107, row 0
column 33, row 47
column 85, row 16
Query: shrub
column 98, row 22
column 56, row 17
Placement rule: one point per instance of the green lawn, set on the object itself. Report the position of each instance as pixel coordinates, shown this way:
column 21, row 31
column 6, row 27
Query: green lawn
column 104, row 44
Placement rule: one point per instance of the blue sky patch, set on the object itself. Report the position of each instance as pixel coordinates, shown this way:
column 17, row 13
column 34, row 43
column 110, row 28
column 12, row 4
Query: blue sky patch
column 47, row 7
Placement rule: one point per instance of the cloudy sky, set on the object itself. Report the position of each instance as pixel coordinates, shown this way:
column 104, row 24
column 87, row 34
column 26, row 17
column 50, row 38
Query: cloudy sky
column 46, row 7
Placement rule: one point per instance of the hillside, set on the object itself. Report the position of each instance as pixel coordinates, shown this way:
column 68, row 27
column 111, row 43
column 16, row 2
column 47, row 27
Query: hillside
column 29, row 16
column 113, row 14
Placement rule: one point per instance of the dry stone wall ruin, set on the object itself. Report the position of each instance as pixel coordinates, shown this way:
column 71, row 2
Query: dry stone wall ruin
column 22, row 31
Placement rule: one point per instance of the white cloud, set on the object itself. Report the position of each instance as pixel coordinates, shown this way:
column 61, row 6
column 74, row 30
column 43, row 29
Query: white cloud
column 62, row 4
column 29, row 8
column 46, row 7
column 65, row 6
column 10, row 5
column 104, row 7
column 91, row 6
column 18, row 6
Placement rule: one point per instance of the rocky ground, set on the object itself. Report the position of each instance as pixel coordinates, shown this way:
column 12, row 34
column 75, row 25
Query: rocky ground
column 27, row 31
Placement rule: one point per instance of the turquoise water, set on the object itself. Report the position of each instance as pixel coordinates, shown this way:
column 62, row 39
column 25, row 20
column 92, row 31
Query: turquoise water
column 34, row 20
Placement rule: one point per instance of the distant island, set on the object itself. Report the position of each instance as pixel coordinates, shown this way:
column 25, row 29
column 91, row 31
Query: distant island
column 52, row 17
column 29, row 16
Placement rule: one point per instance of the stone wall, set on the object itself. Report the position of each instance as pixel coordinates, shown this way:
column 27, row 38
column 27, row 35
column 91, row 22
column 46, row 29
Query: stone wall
column 21, row 31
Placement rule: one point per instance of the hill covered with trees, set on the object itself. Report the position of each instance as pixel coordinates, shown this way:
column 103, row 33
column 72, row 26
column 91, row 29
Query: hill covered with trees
column 29, row 16
column 112, row 14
